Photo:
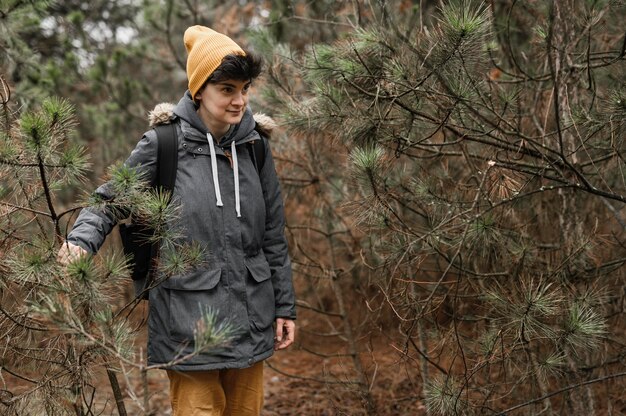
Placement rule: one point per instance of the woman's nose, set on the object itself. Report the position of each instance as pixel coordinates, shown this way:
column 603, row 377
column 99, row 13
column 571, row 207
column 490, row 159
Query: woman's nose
column 238, row 99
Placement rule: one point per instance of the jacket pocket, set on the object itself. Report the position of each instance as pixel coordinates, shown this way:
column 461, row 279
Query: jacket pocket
column 260, row 293
column 190, row 297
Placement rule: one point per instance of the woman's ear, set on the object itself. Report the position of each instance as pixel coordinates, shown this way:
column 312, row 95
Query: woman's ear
column 198, row 96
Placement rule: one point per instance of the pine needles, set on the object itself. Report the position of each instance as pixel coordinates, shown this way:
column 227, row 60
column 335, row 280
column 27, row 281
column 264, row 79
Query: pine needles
column 485, row 187
column 62, row 323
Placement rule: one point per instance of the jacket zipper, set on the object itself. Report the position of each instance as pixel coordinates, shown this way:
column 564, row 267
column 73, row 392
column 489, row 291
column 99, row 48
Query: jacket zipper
column 229, row 156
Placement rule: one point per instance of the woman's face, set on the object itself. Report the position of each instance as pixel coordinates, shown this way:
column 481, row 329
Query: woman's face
column 223, row 104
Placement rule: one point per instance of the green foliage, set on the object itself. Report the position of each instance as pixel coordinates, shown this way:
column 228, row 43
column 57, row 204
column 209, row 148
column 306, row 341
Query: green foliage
column 210, row 332
column 126, row 180
column 583, row 328
column 75, row 162
column 78, row 307
column 114, row 265
column 42, row 142
column 463, row 32
column 483, row 152
column 462, row 19
column 30, row 266
column 553, row 365
column 527, row 311
column 367, row 161
column 444, row 396
column 83, row 270
column 35, row 129
column 176, row 259
column 157, row 211
column 617, row 106
column 466, row 158
column 120, row 336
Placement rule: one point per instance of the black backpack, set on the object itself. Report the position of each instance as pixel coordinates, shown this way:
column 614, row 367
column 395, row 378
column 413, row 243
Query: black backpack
column 135, row 237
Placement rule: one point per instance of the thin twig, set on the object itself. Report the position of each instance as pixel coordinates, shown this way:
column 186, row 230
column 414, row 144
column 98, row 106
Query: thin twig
column 564, row 389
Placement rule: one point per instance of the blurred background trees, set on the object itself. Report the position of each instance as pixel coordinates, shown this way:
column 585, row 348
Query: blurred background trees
column 453, row 175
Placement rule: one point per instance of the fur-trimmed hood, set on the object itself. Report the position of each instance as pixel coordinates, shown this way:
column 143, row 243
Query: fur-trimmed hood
column 163, row 113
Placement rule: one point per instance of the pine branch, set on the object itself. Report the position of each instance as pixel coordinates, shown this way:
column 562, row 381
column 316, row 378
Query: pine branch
column 313, row 379
column 562, row 390
column 22, row 208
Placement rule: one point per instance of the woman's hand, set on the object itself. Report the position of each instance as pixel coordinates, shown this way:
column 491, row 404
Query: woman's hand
column 285, row 333
column 70, row 252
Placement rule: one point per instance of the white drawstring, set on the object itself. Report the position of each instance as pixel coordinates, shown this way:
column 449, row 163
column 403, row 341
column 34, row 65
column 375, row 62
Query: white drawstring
column 233, row 151
column 216, row 182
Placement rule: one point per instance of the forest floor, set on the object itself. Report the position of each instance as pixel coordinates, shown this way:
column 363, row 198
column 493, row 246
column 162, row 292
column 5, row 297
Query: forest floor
column 314, row 377
column 295, row 386
column 297, row 383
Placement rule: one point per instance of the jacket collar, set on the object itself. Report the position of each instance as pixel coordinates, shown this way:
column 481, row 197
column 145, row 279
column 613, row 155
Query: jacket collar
column 194, row 130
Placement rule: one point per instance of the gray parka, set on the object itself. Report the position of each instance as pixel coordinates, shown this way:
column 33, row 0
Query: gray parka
column 246, row 276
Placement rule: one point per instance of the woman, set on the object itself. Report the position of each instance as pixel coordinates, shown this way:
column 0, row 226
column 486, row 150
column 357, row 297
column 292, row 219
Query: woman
column 232, row 210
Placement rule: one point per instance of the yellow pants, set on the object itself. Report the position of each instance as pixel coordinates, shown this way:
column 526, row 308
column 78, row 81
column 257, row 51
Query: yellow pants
column 233, row 392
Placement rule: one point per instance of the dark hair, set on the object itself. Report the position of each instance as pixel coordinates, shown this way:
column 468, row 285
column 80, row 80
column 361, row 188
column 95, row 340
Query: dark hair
column 237, row 67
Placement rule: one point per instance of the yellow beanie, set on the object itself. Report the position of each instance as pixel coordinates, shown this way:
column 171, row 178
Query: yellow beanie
column 205, row 50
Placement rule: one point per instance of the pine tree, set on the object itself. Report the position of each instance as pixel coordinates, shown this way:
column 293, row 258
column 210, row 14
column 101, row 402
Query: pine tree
column 477, row 161
column 64, row 324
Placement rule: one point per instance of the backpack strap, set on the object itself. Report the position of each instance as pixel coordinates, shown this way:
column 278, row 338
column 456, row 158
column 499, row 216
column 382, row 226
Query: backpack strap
column 167, row 156
column 257, row 153
column 146, row 254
